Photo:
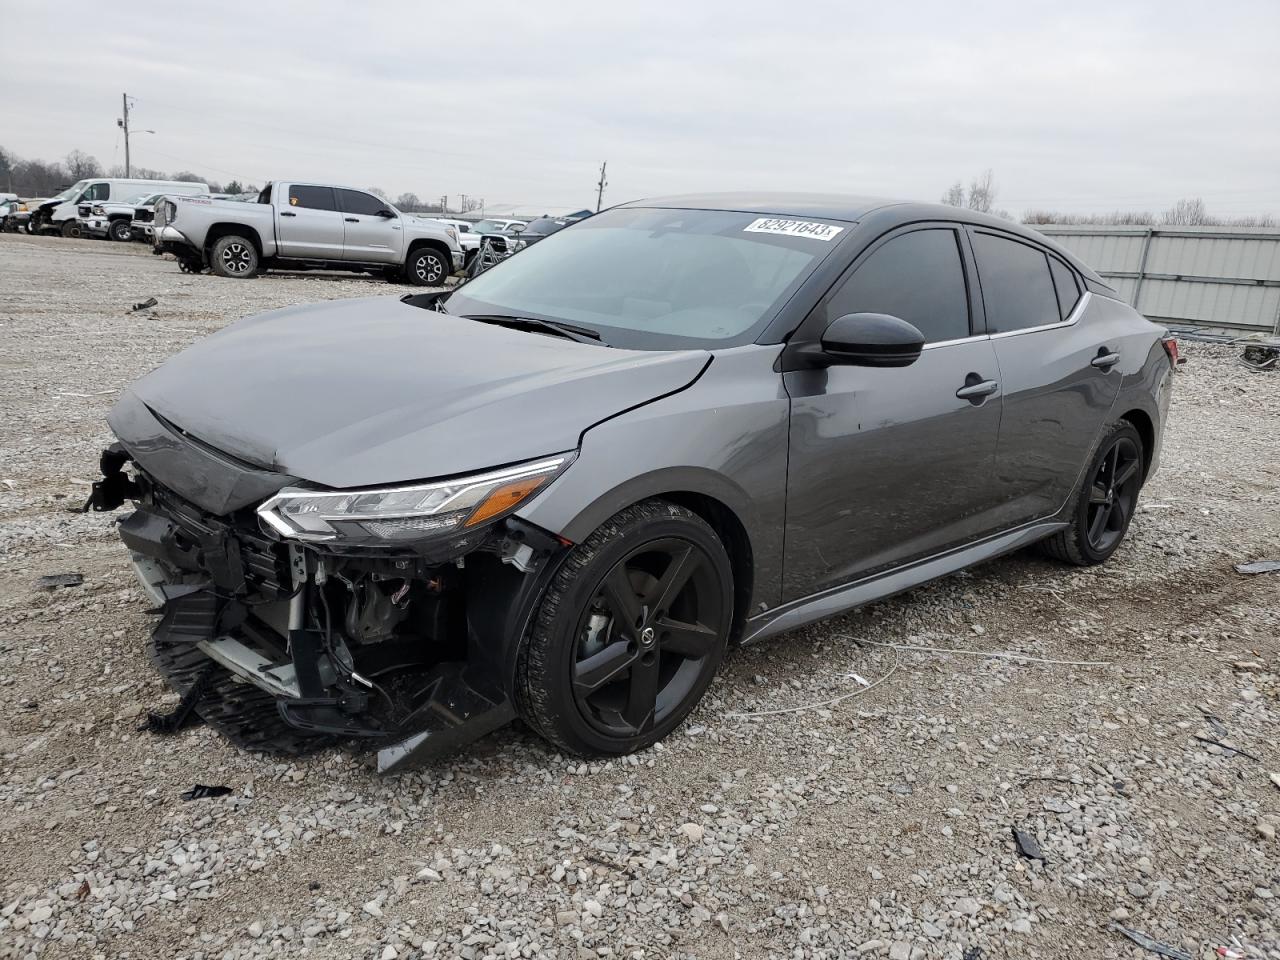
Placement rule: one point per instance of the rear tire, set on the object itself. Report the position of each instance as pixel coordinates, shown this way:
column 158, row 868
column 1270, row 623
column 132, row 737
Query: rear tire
column 120, row 231
column 1105, row 502
column 234, row 257
column 428, row 267
column 630, row 633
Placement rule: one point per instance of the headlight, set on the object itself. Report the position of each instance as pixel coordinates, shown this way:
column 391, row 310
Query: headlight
column 453, row 234
column 98, row 211
column 397, row 514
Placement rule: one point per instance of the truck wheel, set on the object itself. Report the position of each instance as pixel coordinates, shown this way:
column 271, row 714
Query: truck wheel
column 234, row 257
column 427, row 267
column 71, row 230
column 629, row 634
column 29, row 227
column 120, row 230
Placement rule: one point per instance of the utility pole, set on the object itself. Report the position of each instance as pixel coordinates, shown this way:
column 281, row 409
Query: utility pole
column 123, row 124
column 599, row 186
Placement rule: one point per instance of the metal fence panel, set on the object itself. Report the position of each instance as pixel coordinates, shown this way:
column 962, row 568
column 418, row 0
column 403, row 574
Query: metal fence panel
column 1206, row 276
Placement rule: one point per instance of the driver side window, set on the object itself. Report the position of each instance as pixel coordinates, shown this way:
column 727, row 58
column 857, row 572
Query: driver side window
column 97, row 191
column 917, row 277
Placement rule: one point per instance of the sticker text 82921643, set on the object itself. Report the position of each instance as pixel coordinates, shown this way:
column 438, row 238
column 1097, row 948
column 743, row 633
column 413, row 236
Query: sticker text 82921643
column 794, row 228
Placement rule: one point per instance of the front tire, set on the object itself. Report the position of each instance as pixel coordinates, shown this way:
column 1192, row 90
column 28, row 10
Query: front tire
column 1105, row 502
column 428, row 267
column 630, row 633
column 120, row 231
column 71, row 230
column 234, row 257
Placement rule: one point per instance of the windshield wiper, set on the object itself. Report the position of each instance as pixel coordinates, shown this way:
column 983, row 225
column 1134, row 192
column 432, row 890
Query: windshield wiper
column 553, row 327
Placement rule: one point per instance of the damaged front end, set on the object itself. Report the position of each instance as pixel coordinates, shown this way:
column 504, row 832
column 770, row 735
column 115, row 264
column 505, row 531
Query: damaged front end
column 293, row 617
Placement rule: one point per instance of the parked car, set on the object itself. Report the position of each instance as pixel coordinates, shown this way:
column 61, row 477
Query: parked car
column 61, row 213
column 302, row 226
column 10, row 210
column 114, row 221
column 499, row 227
column 468, row 237
column 562, row 490
column 18, row 215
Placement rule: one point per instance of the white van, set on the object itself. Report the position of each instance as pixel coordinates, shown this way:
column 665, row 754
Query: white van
column 58, row 214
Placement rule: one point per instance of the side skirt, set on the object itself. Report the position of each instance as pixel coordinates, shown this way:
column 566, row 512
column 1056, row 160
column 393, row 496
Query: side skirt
column 841, row 599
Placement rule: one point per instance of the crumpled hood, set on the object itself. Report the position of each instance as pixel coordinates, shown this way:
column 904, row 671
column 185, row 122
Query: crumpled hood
column 374, row 391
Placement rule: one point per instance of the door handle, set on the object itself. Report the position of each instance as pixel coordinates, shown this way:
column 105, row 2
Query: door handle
column 1106, row 358
column 286, row 213
column 351, row 220
column 975, row 388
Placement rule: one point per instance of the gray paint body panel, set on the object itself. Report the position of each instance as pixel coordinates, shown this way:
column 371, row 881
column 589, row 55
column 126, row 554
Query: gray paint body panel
column 355, row 393
column 724, row 438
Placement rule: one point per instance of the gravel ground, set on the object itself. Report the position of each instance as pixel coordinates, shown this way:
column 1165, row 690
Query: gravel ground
column 877, row 826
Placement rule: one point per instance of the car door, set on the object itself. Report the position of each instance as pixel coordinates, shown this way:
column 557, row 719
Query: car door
column 309, row 224
column 368, row 235
column 889, row 465
column 1059, row 380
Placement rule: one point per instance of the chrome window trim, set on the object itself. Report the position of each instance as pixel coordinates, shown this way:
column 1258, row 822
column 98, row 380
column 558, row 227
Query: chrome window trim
column 1071, row 320
column 952, row 343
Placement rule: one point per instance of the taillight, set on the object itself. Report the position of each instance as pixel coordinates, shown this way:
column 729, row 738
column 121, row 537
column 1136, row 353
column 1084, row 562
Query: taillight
column 1171, row 348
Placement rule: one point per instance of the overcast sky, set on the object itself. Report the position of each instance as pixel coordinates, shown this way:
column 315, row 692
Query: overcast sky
column 1075, row 106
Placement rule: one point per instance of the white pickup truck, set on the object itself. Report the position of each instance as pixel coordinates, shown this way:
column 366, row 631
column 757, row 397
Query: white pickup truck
column 304, row 226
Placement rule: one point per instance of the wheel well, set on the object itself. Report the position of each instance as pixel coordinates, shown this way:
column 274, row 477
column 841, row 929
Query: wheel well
column 1147, row 431
column 220, row 230
column 736, row 543
column 435, row 245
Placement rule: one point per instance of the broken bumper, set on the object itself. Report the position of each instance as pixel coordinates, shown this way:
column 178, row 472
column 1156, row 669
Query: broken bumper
column 247, row 626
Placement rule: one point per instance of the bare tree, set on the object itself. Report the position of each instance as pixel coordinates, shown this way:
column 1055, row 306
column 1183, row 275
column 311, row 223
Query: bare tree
column 7, row 160
column 954, row 197
column 408, row 202
column 982, row 192
column 81, row 165
column 1186, row 213
column 377, row 192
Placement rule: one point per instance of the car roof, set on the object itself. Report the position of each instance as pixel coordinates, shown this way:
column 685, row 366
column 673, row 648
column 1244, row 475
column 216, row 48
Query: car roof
column 852, row 208
column 829, row 206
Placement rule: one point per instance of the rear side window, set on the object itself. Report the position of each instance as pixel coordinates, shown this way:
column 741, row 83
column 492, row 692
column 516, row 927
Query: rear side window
column 1017, row 288
column 313, row 198
column 917, row 277
column 1064, row 282
column 365, row 204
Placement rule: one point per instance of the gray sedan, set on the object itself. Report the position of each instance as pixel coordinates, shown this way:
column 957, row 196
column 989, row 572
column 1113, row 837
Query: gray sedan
column 564, row 490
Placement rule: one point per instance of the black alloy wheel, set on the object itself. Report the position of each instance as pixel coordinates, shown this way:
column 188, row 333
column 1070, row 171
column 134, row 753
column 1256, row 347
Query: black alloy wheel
column 1113, row 494
column 630, row 633
column 1106, row 500
column 645, row 637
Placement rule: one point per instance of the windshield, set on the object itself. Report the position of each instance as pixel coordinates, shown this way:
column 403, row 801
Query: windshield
column 491, row 226
column 72, row 191
column 652, row 279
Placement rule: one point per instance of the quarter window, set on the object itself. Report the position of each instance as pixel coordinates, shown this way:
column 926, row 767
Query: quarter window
column 917, row 277
column 1064, row 281
column 1017, row 288
column 313, row 198
column 364, row 204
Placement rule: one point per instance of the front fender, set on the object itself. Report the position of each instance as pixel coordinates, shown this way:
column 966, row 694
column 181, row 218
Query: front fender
column 724, row 438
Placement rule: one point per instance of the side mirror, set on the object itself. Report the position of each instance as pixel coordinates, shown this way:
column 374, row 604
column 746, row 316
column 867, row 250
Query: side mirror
column 871, row 340
column 386, row 214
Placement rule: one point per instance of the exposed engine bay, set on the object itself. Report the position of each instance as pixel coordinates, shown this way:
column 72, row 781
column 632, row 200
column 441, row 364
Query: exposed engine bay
column 286, row 647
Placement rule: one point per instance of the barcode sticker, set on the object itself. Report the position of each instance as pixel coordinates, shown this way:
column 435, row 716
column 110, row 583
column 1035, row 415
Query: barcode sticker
column 794, row 228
